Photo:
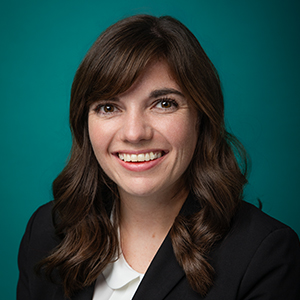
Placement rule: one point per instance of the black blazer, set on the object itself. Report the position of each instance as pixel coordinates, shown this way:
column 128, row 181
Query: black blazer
column 258, row 259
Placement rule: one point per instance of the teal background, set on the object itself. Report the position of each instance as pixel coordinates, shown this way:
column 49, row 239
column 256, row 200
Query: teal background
column 253, row 44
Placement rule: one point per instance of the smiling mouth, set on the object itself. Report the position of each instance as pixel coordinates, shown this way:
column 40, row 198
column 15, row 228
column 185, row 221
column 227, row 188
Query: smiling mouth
column 141, row 157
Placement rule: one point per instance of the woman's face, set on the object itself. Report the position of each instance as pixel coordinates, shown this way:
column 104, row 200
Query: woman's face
column 144, row 138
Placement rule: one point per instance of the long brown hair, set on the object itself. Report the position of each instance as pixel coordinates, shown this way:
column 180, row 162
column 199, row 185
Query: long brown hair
column 84, row 195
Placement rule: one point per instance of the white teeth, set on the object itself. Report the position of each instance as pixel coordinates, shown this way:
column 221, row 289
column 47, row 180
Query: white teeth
column 140, row 157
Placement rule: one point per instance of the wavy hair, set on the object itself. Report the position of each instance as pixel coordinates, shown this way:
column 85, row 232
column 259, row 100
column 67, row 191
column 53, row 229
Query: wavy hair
column 84, row 196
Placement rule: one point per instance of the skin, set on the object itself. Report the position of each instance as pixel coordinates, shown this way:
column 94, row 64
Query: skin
column 153, row 115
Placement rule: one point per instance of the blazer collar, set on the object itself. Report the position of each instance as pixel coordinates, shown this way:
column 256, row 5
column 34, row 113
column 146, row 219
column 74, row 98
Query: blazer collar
column 164, row 271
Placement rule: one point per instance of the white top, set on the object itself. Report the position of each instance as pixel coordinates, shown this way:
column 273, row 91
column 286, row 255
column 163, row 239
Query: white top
column 117, row 282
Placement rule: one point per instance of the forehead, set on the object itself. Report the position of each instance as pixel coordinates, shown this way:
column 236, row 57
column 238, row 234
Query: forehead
column 155, row 76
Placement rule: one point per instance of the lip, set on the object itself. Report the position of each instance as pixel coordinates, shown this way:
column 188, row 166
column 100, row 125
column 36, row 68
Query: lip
column 140, row 166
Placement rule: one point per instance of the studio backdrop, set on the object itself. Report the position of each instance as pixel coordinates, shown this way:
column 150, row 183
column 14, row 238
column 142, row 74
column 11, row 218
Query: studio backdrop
column 253, row 44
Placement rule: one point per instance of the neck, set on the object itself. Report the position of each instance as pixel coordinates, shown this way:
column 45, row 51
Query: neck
column 144, row 223
column 147, row 213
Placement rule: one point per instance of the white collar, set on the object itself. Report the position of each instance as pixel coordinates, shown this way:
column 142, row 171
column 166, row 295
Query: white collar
column 119, row 273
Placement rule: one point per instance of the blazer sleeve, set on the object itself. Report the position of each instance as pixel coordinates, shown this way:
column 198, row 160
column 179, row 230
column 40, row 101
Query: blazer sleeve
column 274, row 270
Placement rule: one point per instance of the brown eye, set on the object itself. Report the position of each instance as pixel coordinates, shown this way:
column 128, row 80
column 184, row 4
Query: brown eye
column 108, row 108
column 166, row 104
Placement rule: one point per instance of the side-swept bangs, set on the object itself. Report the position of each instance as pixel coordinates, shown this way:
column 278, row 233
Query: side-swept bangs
column 112, row 65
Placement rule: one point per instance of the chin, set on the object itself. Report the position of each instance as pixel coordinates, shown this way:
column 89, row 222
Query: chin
column 141, row 190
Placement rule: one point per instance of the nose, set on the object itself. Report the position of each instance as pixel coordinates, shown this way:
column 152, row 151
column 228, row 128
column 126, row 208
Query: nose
column 136, row 127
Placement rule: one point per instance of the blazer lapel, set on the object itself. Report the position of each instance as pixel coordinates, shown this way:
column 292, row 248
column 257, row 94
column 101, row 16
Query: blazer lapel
column 162, row 275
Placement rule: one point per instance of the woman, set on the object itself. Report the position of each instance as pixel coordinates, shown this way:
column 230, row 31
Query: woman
column 150, row 204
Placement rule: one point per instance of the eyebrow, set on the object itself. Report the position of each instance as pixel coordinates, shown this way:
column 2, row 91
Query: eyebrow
column 163, row 92
column 156, row 93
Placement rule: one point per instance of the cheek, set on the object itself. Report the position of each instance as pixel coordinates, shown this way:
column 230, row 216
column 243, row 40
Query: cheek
column 93, row 134
column 98, row 137
column 184, row 134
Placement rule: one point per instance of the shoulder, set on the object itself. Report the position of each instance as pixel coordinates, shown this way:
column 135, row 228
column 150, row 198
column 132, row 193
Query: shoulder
column 41, row 220
column 38, row 241
column 251, row 229
column 255, row 223
column 42, row 215
column 252, row 213
column 39, row 238
column 258, row 256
